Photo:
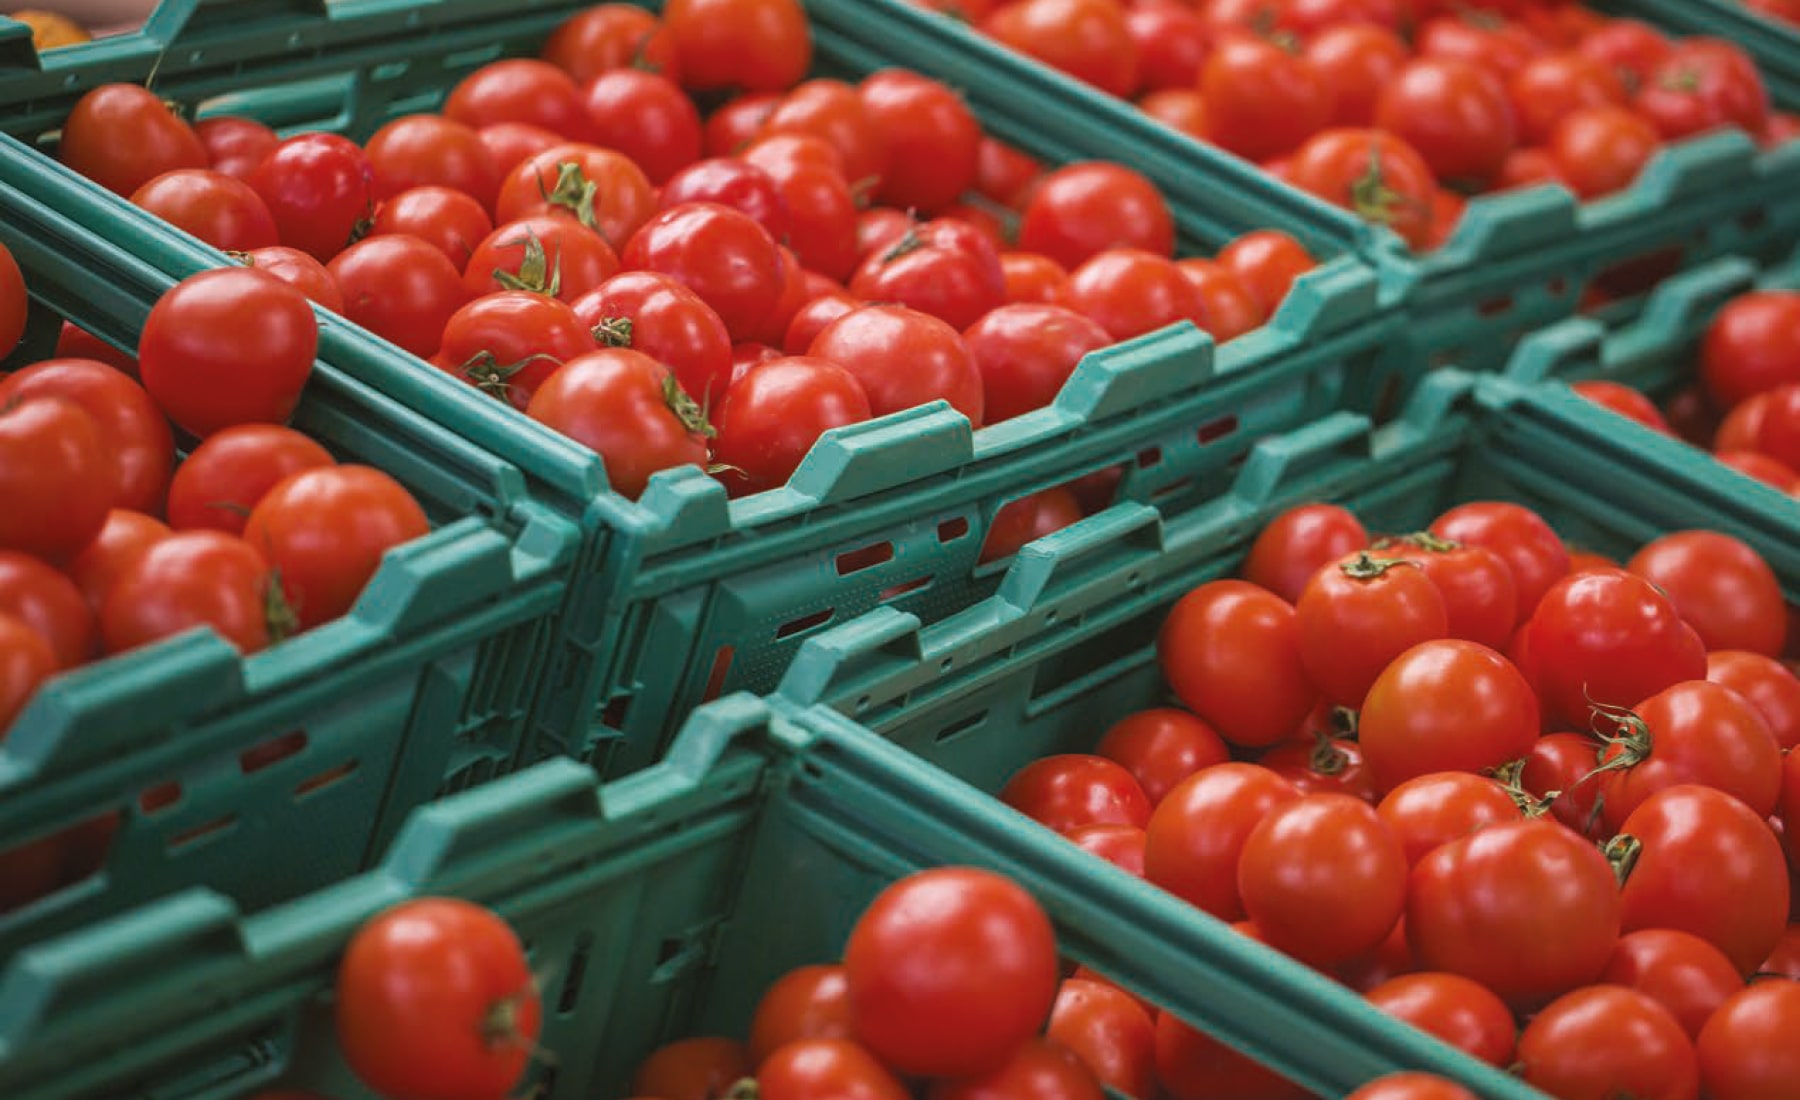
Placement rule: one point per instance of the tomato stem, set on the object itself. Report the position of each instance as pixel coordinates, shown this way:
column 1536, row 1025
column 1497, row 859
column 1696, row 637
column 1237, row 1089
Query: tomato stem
column 573, row 192
column 490, row 376
column 1366, row 566
column 1622, row 852
column 1327, row 757
column 279, row 615
column 1424, row 540
column 536, row 272
column 1511, row 777
column 614, row 332
column 686, row 409
column 910, row 241
column 745, row 1089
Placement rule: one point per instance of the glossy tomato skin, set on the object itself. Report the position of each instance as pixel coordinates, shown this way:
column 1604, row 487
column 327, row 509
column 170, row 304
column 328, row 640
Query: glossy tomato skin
column 1267, row 261
column 1090, row 40
column 1533, row 553
column 1026, row 352
column 401, row 289
column 1693, row 732
column 26, row 661
column 625, row 406
column 1721, row 586
column 216, row 208
column 647, row 117
column 1226, row 309
column 230, row 472
column 1083, row 209
column 951, row 971
column 1040, row 1068
column 933, row 140
column 733, row 182
column 520, row 89
column 320, row 190
column 1110, row 1031
column 904, row 359
column 1703, row 84
column 227, row 347
column 611, row 36
column 1360, row 613
column 192, row 578
column 1261, row 101
column 1300, row 542
column 1745, row 1050
column 124, row 536
column 825, row 1069
column 432, row 151
column 1194, row 1066
column 1680, row 971
column 509, row 342
column 1130, row 292
column 1374, row 174
column 435, row 1001
column 756, row 45
column 1462, row 1012
column 1322, row 764
column 1411, row 1086
column 1607, row 1041
column 692, row 1069
column 235, row 145
column 1767, row 684
column 658, row 315
column 1605, row 638
column 1528, row 908
column 810, row 320
column 808, row 1002
column 1354, row 62
column 1600, row 150
column 1120, row 845
column 1564, row 763
column 542, row 254
column 47, row 601
column 601, row 189
column 1231, row 652
column 1710, row 866
column 298, row 269
column 1323, row 878
column 1752, row 346
column 122, row 136
column 1070, row 791
column 1027, row 519
column 1197, row 833
column 943, row 268
column 833, row 110
column 137, row 434
column 1455, row 113
column 1480, row 599
column 1429, row 811
column 1627, row 402
column 723, row 256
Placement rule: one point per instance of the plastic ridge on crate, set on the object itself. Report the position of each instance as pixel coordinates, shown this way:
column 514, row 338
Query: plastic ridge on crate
column 684, row 595
column 656, row 907
column 426, row 685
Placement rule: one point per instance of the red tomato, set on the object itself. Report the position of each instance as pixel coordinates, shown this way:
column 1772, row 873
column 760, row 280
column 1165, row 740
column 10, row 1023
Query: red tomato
column 125, row 535
column 1680, row 971
column 508, row 343
column 520, row 89
column 1411, row 1086
column 943, row 268
column 1108, row 1030
column 299, row 269
column 725, row 257
column 435, row 999
column 822, row 210
column 401, row 289
column 1197, row 833
column 1752, row 346
column 692, row 1069
column 1603, row 638
column 1604, row 1041
column 1374, row 175
column 26, row 661
column 1025, row 352
column 141, row 449
column 1027, row 519
column 599, row 188
column 1354, row 61
column 1599, row 150
column 1722, row 587
column 1693, row 732
column 1461, row 1012
column 658, row 315
column 1120, row 845
column 826, row 1069
column 1231, row 652
column 904, row 359
column 1226, row 307
column 15, row 306
column 833, row 110
column 1528, row 168
column 1704, row 84
column 951, row 971
column 1741, row 428
column 1550, row 87
column 1322, row 764
column 48, row 602
column 1003, row 173
column 1298, row 543
column 1627, row 402
column 220, row 210
column 1040, row 1068
column 226, row 476
column 736, row 124
column 1455, row 113
column 756, row 45
column 510, row 144
column 1194, row 1066
column 122, row 136
column 1359, row 614
column 1180, row 109
column 1267, row 262
column 1531, row 550
column 809, row 1002
column 645, row 116
column 1081, row 210
column 731, row 182
column 627, row 407
column 933, row 140
column 1069, row 791
column 326, row 529
column 432, row 151
column 1778, row 436
column 1707, row 864
column 1090, row 40
column 1501, row 46
column 1171, row 43
column 1429, row 811
column 200, row 335
column 556, row 257
column 813, row 317
column 1745, row 1050
column 1161, row 747
column 1323, row 878
column 1562, row 764
column 191, row 578
column 611, row 36
column 1632, row 49
column 1527, row 908
column 1480, row 599
column 235, row 146
column 1767, row 684
column 1130, row 292
column 1261, row 100
column 320, row 189
column 1761, row 467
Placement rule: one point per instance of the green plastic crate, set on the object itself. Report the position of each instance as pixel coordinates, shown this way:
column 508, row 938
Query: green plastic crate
column 656, row 907
column 425, row 686
column 684, row 594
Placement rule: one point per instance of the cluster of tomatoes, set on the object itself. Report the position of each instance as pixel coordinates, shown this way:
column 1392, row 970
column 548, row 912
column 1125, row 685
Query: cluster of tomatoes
column 1482, row 780
column 1398, row 109
column 1745, row 405
column 574, row 237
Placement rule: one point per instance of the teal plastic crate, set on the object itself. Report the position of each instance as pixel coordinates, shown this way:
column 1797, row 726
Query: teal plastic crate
column 425, row 686
column 656, row 907
column 685, row 595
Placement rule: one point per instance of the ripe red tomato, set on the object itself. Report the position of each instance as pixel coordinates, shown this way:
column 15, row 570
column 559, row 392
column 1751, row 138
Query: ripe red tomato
column 692, row 1069
column 435, row 1001
column 1550, row 87
column 1323, row 878
column 320, row 189
column 122, row 136
column 723, row 256
column 1744, row 1050
column 809, row 1002
column 601, row 189
column 1633, row 49
column 1357, row 615
column 1707, row 865
column 48, row 602
column 26, row 661
column 226, row 476
column 200, row 336
column 1025, row 352
column 1761, row 467
column 1607, row 1041
column 298, row 269
column 1527, row 908
column 1171, row 41
column 1090, row 40
column 1197, row 834
column 944, row 268
column 191, row 578
column 1083, row 209
column 628, row 408
column 1528, row 168
column 1074, row 790
column 520, row 89
column 1722, row 587
column 1461, row 1012
column 234, row 145
column 1704, row 84
column 1680, row 971
column 1267, row 262
column 510, row 143
column 557, row 257
column 1778, row 434
column 432, row 151
column 1374, row 175
column 822, row 211
column 933, row 140
column 1180, row 109
column 951, row 971
column 1411, row 1086
column 1455, row 113
column 658, row 315
column 1501, row 46
column 1627, row 402
column 904, row 359
column 826, row 1069
column 647, row 117
column 1226, row 307
column 125, row 535
column 1231, row 652
column 1130, row 292
column 1040, row 1068
column 1108, row 1030
column 1298, row 543
column 755, row 45
column 1027, row 519
column 1480, row 599
column 140, row 445
column 1600, row 150
column 833, row 110
column 1032, row 277
column 1192, row 1065
column 1531, row 550
column 1752, row 346
column 508, row 343
column 1322, row 763
column 1766, row 684
column 1602, row 638
column 1693, row 732
column 611, row 36
column 1741, row 428
column 1354, row 62
column 811, row 319
column 1261, row 100
column 1428, row 811
column 1120, row 845
column 216, row 208
column 401, row 289
column 1562, row 764
column 733, row 182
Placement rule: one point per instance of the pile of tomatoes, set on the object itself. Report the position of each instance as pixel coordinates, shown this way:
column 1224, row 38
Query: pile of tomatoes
column 1399, row 109
column 574, row 237
column 1745, row 403
column 1484, row 780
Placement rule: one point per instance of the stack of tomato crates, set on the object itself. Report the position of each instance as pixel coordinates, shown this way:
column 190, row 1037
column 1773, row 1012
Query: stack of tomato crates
column 776, row 598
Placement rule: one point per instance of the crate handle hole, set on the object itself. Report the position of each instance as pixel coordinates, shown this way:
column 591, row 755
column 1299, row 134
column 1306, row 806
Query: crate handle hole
column 952, row 529
column 804, row 623
column 896, row 591
column 1216, row 430
column 187, row 838
column 273, row 751
column 331, row 777
column 571, row 984
column 160, row 797
column 868, row 557
column 958, row 728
